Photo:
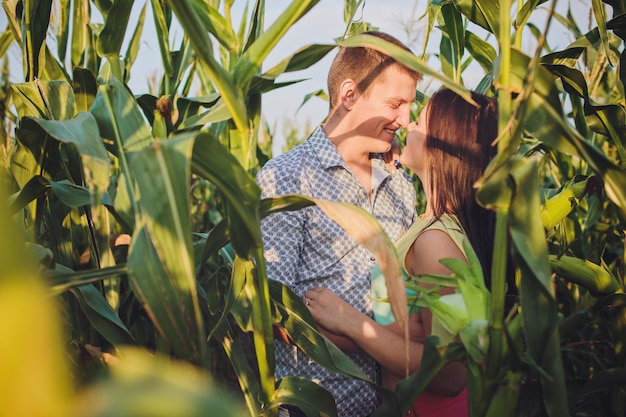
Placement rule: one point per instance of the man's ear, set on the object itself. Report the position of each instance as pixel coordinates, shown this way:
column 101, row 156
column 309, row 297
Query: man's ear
column 348, row 93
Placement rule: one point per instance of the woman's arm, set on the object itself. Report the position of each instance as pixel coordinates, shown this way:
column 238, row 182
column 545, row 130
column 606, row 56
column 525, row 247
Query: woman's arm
column 384, row 343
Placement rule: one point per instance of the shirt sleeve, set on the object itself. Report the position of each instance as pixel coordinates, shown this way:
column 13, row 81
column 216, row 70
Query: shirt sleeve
column 282, row 232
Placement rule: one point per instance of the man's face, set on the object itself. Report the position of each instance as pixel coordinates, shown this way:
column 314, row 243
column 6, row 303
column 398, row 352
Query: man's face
column 385, row 108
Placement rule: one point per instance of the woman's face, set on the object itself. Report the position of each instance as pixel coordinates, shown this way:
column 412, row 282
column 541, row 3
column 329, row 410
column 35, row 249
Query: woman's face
column 414, row 154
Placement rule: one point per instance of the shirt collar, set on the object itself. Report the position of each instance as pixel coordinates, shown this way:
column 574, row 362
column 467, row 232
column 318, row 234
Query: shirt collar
column 326, row 151
column 329, row 157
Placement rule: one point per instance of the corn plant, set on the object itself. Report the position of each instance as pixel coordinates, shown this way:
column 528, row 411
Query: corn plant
column 101, row 180
column 557, row 186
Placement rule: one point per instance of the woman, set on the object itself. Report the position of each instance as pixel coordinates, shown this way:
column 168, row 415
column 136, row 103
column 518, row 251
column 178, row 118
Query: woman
column 448, row 148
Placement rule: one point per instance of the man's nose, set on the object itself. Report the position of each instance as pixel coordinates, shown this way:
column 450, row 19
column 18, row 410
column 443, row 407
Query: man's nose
column 404, row 116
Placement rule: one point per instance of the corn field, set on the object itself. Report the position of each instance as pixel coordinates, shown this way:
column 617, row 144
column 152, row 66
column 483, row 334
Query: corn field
column 132, row 278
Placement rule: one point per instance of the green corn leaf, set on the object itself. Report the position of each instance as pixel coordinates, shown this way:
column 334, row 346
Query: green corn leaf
column 485, row 13
column 166, row 295
column 434, row 279
column 119, row 120
column 600, row 15
column 543, row 117
column 31, row 321
column 606, row 119
column 63, row 29
column 301, row 59
column 531, row 255
column 524, row 14
column 296, row 319
column 449, row 316
column 433, row 360
column 504, row 400
column 293, row 315
column 237, row 353
column 80, row 31
column 455, row 36
column 223, row 80
column 101, row 315
column 480, row 50
column 253, row 313
column 251, row 60
column 143, row 381
column 52, row 100
column 238, row 188
column 61, row 278
column 109, row 42
column 162, row 29
column 82, row 132
column 70, row 194
column 85, row 88
column 162, row 172
column 36, row 19
column 217, row 25
column 305, row 394
column 133, row 45
column 475, row 338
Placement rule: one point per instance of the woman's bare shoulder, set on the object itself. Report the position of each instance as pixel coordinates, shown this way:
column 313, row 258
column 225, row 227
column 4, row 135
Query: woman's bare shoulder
column 426, row 251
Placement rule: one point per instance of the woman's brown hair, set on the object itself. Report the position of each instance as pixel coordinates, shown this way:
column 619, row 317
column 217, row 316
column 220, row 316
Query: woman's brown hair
column 459, row 146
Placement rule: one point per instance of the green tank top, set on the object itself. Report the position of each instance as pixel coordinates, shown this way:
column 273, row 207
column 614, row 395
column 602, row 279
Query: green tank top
column 447, row 224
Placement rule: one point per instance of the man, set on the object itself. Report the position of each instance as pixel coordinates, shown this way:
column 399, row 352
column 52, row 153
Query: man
column 370, row 98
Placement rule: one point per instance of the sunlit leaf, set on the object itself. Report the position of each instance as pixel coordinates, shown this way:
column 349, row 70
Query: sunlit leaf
column 53, row 100
column 223, row 80
column 162, row 36
column 110, row 40
column 250, row 62
column 485, row 13
column 119, row 119
column 133, row 45
column 82, row 132
column 303, row 58
column 481, row 50
column 31, row 321
column 80, row 31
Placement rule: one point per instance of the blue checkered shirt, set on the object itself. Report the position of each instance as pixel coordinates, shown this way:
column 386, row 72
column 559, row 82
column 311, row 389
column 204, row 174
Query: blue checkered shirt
column 306, row 249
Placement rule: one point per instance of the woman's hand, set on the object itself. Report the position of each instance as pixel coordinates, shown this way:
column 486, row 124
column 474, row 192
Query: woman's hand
column 329, row 310
column 392, row 156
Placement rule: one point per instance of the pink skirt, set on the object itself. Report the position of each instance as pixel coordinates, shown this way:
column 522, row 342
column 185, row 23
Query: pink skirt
column 429, row 404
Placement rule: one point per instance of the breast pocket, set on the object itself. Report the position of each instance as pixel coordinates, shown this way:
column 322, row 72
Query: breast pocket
column 326, row 241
